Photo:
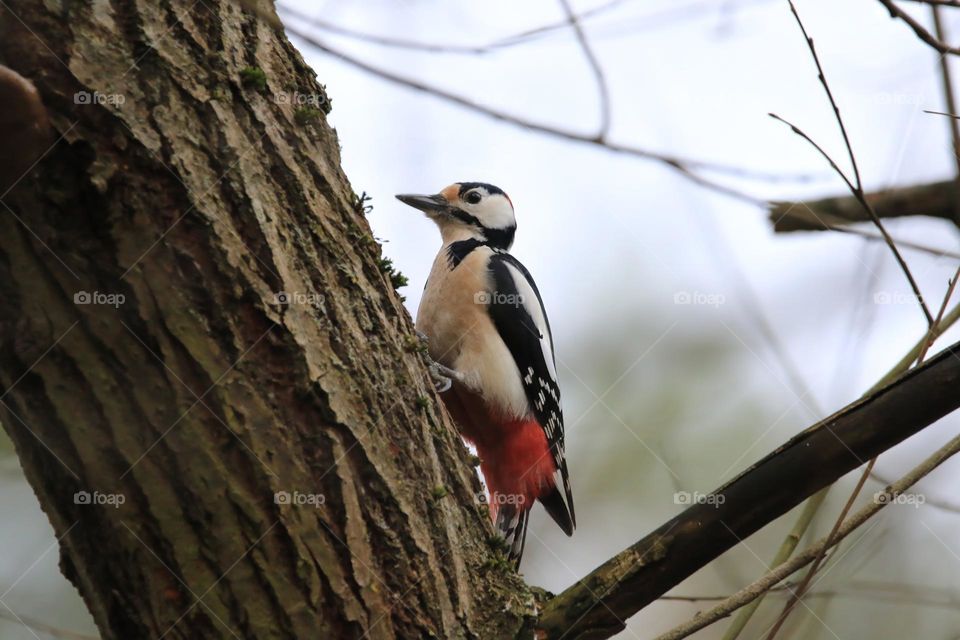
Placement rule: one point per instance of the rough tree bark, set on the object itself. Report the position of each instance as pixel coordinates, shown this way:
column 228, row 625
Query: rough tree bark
column 195, row 178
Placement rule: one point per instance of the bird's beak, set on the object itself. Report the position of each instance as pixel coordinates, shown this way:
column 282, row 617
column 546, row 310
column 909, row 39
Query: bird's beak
column 428, row 204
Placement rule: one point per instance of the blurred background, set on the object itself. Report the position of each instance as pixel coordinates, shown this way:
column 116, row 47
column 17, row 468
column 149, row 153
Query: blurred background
column 691, row 339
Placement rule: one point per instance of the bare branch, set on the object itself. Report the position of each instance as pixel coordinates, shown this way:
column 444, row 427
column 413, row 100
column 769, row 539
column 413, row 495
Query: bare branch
column 936, row 327
column 779, row 573
column 685, row 166
column 796, row 595
column 950, row 102
column 858, row 194
column 904, row 244
column 588, row 53
column 873, row 591
column 432, row 47
column 919, row 29
column 933, row 501
column 856, row 187
column 936, row 200
column 813, row 459
column 939, row 3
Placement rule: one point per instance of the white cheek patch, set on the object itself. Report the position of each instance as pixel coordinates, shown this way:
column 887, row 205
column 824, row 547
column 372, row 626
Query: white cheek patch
column 493, row 212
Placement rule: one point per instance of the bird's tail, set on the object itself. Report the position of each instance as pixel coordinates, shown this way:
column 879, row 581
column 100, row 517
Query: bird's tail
column 511, row 523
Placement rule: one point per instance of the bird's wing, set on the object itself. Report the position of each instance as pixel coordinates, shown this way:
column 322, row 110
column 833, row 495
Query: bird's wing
column 518, row 314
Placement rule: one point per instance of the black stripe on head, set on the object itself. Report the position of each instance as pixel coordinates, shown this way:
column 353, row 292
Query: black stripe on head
column 466, row 186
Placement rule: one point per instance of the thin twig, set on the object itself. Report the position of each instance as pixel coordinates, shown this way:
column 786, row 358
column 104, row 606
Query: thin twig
column 939, row 3
column 512, row 40
column 805, row 583
column 603, row 92
column 919, row 29
column 867, row 472
column 795, row 596
column 685, row 166
column 933, row 501
column 904, row 244
column 779, row 573
column 826, row 156
column 950, row 102
column 872, row 591
column 935, row 329
column 673, row 161
column 856, row 186
column 813, row 504
column 815, row 218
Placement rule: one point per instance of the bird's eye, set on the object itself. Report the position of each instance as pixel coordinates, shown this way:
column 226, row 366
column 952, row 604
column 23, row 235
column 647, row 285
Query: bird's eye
column 473, row 197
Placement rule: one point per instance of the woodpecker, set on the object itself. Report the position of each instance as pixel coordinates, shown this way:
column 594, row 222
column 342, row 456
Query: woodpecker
column 487, row 330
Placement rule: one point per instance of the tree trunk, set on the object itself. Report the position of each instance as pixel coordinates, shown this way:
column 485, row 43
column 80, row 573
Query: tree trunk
column 220, row 460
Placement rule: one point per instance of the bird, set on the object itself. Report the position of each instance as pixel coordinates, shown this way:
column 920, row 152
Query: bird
column 488, row 336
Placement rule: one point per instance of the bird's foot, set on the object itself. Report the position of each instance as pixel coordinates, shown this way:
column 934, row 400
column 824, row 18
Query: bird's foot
column 443, row 376
column 441, row 383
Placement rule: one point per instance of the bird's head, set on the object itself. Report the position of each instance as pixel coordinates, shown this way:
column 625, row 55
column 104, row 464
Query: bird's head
column 469, row 210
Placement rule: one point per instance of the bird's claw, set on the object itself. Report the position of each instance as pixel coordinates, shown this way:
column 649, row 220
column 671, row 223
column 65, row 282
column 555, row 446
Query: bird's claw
column 443, row 376
column 442, row 383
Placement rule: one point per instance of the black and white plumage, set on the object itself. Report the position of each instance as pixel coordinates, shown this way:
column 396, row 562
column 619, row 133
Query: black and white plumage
column 485, row 320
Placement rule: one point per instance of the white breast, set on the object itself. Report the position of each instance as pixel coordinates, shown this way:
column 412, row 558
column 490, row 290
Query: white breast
column 453, row 315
